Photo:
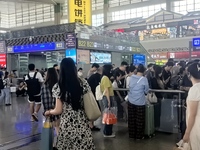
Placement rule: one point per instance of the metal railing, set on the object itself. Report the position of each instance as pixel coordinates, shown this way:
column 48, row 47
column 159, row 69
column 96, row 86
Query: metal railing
column 179, row 105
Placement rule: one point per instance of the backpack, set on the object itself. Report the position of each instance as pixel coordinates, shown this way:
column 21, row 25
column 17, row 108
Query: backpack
column 98, row 93
column 33, row 85
column 1, row 84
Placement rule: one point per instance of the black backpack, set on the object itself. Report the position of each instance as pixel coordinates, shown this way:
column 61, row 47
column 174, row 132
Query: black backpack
column 1, row 84
column 33, row 85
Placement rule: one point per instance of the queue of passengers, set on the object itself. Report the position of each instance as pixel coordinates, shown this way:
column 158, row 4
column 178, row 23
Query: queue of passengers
column 62, row 97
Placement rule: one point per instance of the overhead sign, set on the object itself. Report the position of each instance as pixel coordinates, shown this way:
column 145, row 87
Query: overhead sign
column 80, row 11
column 71, row 40
column 3, row 60
column 107, row 46
column 2, row 47
column 36, row 47
column 196, row 42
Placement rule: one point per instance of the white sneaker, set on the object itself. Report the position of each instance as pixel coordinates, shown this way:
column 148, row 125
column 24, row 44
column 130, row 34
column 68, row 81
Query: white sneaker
column 109, row 136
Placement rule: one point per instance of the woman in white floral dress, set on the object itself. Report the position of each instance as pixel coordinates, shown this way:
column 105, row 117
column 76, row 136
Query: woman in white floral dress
column 74, row 133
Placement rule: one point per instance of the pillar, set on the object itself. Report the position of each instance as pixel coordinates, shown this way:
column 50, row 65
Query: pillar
column 105, row 11
column 169, row 5
column 57, row 14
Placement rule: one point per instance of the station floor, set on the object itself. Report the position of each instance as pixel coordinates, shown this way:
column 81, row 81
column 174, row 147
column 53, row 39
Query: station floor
column 18, row 133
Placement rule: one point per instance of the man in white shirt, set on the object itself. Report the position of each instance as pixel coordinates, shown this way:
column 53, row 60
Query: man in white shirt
column 34, row 81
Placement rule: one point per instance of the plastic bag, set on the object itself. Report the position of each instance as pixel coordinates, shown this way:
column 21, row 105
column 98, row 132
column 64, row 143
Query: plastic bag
column 109, row 116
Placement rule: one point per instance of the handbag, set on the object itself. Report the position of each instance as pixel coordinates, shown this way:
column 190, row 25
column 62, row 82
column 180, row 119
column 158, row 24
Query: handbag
column 183, row 146
column 47, row 136
column 151, row 97
column 109, row 116
column 91, row 107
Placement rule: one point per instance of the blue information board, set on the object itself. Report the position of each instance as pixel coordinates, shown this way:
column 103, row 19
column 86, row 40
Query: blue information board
column 139, row 59
column 71, row 53
column 36, row 47
column 196, row 42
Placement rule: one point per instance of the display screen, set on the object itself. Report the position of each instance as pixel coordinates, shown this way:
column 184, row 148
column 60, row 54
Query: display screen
column 100, row 58
column 71, row 53
column 37, row 47
column 139, row 59
column 3, row 60
column 83, row 56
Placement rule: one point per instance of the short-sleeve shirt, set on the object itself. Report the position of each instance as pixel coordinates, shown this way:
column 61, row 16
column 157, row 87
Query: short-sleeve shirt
column 106, row 83
column 194, row 93
column 38, row 76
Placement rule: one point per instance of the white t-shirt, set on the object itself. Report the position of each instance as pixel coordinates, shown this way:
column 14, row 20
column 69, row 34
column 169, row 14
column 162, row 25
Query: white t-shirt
column 115, row 85
column 127, row 81
column 38, row 76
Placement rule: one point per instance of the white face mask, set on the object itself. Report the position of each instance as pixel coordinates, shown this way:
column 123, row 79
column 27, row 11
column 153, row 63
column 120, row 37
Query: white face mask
column 80, row 74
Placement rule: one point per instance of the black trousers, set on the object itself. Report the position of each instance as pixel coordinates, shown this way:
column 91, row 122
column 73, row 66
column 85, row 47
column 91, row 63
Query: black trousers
column 108, row 129
column 20, row 92
column 136, row 121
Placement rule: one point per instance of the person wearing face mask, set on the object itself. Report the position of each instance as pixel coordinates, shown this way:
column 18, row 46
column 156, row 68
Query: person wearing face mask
column 80, row 72
column 192, row 134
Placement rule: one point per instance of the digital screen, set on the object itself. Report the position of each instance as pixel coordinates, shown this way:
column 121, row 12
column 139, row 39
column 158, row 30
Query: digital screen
column 83, row 56
column 100, row 58
column 139, row 59
column 196, row 42
column 71, row 53
column 3, row 60
column 34, row 47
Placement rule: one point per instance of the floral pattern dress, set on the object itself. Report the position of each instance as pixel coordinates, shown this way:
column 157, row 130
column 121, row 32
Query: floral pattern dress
column 75, row 133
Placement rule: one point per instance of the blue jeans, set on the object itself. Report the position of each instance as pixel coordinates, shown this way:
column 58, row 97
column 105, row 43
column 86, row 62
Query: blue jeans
column 108, row 128
column 7, row 95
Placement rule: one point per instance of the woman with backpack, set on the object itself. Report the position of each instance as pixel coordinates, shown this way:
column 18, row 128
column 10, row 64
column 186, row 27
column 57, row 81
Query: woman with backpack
column 46, row 95
column 6, row 91
column 108, row 96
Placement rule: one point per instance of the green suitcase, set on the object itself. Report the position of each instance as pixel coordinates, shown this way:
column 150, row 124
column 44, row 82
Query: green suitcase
column 149, row 120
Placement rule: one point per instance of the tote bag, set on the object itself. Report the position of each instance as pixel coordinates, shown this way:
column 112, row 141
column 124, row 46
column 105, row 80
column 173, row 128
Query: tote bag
column 91, row 107
column 47, row 136
column 151, row 97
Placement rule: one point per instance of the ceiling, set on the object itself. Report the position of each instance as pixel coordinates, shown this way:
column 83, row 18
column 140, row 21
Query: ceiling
column 39, row 1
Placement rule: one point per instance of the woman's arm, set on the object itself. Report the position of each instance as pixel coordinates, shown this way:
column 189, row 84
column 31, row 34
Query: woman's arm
column 57, row 110
column 191, row 120
column 107, row 94
column 146, row 89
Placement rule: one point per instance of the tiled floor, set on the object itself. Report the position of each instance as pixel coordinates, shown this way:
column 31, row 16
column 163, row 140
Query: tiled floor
column 17, row 132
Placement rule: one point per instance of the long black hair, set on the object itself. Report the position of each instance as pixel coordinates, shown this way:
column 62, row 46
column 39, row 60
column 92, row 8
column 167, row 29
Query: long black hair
column 158, row 70
column 6, row 75
column 52, row 78
column 69, row 84
column 107, row 70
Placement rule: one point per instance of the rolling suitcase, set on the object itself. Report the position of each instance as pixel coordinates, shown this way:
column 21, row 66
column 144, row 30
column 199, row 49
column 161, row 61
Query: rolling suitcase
column 149, row 120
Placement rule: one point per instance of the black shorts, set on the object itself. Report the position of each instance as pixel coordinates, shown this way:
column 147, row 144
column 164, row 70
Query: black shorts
column 35, row 99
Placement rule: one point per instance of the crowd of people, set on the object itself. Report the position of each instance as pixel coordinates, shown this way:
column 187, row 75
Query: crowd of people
column 60, row 90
